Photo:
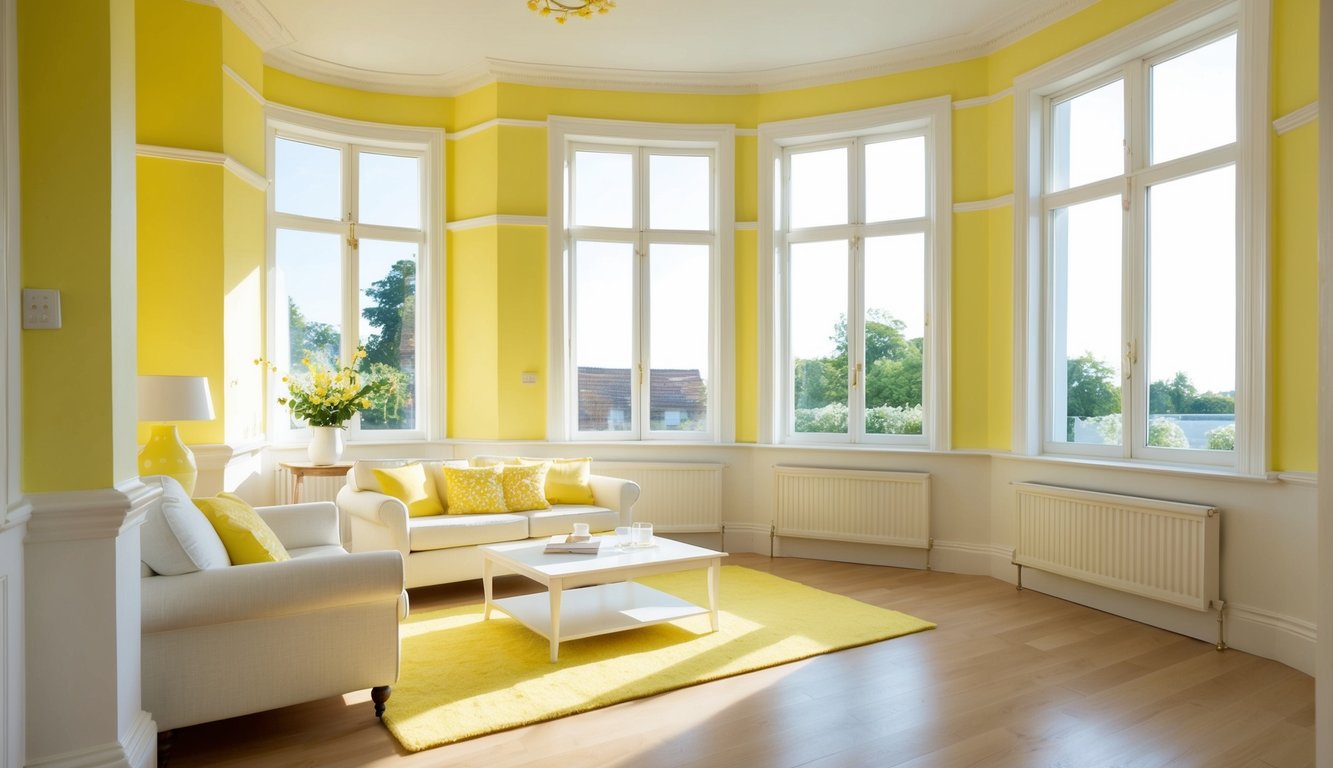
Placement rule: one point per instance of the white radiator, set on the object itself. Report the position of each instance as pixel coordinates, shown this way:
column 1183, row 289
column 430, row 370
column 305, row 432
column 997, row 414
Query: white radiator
column 684, row 497
column 1165, row 550
column 868, row 506
column 312, row 488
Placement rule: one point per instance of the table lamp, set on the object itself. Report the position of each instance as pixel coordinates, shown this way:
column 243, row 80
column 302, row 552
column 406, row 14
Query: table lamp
column 172, row 398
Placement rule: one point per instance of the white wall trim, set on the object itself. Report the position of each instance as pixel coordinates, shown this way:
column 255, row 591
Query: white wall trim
column 981, row 101
column 1296, row 118
column 496, row 220
column 983, row 205
column 747, row 131
column 1309, row 479
column 239, row 169
column 748, row 226
column 256, row 22
column 11, row 405
column 139, row 750
column 102, row 513
column 508, row 122
column 1297, row 628
column 245, row 85
column 1323, row 575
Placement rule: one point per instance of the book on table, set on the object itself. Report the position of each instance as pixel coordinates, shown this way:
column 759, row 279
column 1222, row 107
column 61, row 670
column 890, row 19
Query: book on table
column 573, row 545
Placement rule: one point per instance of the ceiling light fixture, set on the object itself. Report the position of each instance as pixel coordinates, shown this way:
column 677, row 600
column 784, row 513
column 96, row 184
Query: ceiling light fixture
column 563, row 9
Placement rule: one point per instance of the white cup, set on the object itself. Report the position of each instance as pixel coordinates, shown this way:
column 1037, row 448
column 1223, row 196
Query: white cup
column 580, row 529
column 641, row 535
column 623, row 536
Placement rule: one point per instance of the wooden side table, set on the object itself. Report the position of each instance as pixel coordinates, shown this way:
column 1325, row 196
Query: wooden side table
column 302, row 469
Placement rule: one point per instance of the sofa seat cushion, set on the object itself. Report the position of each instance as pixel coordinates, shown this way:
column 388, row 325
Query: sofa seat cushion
column 561, row 518
column 444, row 532
column 319, row 550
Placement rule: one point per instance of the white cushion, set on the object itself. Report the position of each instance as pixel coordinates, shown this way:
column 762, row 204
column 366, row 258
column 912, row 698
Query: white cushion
column 561, row 518
column 176, row 538
column 447, row 531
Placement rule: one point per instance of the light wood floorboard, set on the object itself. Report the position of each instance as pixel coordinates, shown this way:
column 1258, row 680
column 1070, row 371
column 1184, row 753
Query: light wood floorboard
column 1010, row 679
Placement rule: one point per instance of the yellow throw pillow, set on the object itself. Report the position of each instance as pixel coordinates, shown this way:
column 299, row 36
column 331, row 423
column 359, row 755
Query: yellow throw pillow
column 411, row 485
column 244, row 533
column 525, row 486
column 471, row 490
column 567, row 482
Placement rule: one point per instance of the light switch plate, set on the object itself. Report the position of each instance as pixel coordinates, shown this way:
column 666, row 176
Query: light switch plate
column 529, row 377
column 41, row 308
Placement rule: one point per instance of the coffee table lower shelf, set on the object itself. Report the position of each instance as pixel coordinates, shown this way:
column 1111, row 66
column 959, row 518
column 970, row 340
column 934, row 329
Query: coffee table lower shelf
column 596, row 610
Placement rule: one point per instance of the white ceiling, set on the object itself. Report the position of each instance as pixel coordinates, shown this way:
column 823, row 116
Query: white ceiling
column 449, row 46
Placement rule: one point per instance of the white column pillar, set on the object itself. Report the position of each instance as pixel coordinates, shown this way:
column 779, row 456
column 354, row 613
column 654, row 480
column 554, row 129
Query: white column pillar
column 83, row 628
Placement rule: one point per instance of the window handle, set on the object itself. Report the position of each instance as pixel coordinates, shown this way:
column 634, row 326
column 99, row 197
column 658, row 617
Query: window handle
column 856, row 376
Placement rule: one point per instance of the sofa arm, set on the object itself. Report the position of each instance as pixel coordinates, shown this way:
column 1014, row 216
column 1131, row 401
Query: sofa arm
column 313, row 524
column 378, row 521
column 616, row 494
column 268, row 590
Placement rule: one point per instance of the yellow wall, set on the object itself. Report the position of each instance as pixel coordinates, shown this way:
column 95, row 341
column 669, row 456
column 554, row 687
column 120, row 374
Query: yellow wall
column 496, row 274
column 76, row 144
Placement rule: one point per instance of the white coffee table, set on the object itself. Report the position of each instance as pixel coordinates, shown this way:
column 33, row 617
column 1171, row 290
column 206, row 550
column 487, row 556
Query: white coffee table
column 608, row 601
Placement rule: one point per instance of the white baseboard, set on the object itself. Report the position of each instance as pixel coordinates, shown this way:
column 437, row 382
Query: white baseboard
column 139, row 750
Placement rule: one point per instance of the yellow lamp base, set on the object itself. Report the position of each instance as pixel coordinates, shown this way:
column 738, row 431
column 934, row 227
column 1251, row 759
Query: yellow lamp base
column 165, row 454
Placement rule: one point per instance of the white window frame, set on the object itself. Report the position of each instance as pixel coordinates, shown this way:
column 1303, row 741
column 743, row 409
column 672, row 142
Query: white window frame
column 565, row 136
column 931, row 118
column 1186, row 22
column 427, row 143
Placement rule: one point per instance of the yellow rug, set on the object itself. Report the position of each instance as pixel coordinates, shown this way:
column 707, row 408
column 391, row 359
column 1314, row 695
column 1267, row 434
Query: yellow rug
column 463, row 677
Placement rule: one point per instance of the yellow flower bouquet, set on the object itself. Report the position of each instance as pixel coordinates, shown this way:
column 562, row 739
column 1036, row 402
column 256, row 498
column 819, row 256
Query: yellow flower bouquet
column 325, row 396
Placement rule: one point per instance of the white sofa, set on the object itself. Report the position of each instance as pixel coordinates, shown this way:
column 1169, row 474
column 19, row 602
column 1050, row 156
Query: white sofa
column 221, row 640
column 440, row 549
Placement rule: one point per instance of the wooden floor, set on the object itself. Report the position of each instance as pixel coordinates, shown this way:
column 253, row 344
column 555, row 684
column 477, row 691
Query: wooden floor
column 1008, row 679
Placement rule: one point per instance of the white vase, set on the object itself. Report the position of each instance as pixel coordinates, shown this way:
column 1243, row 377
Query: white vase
column 326, row 445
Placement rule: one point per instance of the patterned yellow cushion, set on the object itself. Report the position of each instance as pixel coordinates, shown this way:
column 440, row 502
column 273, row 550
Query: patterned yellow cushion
column 567, row 482
column 471, row 490
column 525, row 486
column 244, row 533
column 411, row 485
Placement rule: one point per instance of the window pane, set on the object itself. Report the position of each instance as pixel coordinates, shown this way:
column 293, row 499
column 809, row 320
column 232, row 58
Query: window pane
column 819, row 188
column 307, row 179
column 895, row 177
column 1192, row 294
column 388, row 324
column 1088, row 137
column 1086, row 320
column 678, row 338
column 1194, row 101
column 895, row 324
column 604, row 334
column 309, row 282
column 603, row 189
column 818, row 336
column 679, row 192
column 390, row 190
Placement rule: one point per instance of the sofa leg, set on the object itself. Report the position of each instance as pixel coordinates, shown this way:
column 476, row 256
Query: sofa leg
column 380, row 694
column 164, row 740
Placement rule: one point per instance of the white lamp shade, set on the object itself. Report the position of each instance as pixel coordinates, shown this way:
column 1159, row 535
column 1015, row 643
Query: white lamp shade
column 174, row 398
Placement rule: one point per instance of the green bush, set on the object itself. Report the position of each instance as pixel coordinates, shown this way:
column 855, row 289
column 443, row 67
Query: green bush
column 1165, row 433
column 831, row 418
column 890, row 420
column 1222, row 439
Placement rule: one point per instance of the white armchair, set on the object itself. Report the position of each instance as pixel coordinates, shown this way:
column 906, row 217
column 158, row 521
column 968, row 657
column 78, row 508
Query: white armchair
column 225, row 640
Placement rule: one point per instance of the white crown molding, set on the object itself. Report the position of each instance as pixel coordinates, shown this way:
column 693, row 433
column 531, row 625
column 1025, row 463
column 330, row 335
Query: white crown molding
column 984, row 205
column 1295, row 119
column 242, row 171
column 256, row 22
column 101, row 513
column 254, row 19
column 496, row 220
column 508, row 122
column 245, row 85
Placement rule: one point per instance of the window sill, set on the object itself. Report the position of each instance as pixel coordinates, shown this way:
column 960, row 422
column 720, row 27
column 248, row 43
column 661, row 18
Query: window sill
column 1158, row 468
